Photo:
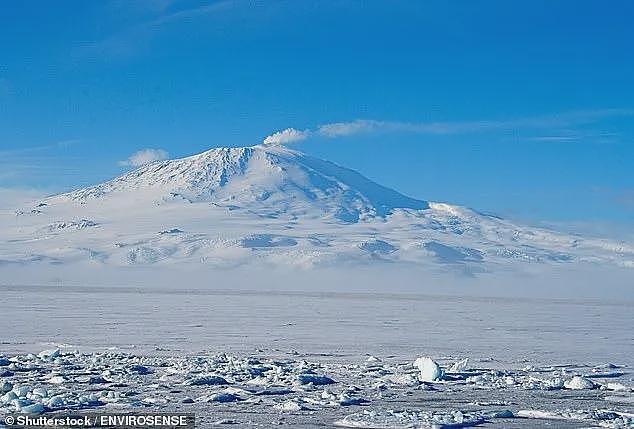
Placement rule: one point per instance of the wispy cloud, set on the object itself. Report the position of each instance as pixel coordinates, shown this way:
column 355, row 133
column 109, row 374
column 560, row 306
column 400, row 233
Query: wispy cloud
column 571, row 136
column 36, row 149
column 562, row 123
column 144, row 156
column 128, row 41
column 562, row 139
column 339, row 129
column 193, row 12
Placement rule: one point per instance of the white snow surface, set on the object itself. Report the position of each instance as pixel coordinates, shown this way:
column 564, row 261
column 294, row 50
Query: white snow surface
column 129, row 288
column 269, row 205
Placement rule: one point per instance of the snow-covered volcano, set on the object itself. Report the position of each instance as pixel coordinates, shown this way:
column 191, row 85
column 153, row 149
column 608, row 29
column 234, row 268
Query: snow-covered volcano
column 273, row 205
column 270, row 180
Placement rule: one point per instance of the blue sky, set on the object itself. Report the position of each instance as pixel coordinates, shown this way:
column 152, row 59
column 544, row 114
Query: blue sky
column 524, row 109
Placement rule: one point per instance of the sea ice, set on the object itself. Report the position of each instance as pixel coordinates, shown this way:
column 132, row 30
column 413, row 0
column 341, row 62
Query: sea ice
column 49, row 354
column 223, row 397
column 618, row 387
column 207, row 380
column 459, row 366
column 57, row 379
column 32, row 409
column 579, row 383
column 408, row 419
column 257, row 385
column 317, row 380
column 429, row 369
column 288, row 407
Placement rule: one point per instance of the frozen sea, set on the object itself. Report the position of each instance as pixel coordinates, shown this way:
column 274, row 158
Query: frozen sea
column 337, row 324
column 521, row 350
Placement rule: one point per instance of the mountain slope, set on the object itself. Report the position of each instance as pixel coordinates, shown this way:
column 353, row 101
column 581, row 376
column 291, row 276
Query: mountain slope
column 271, row 205
column 272, row 180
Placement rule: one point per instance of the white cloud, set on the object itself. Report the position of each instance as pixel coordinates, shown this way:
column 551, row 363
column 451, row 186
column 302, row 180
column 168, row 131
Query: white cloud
column 359, row 126
column 551, row 123
column 366, row 126
column 339, row 129
column 132, row 38
column 289, row 135
column 144, row 156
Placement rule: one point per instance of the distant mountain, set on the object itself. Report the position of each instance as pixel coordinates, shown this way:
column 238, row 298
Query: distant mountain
column 272, row 205
column 269, row 180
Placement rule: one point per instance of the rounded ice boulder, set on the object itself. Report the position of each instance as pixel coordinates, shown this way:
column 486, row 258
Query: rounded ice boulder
column 429, row 369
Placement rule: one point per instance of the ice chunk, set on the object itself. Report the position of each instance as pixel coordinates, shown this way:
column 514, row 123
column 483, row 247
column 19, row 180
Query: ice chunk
column 36, row 408
column 429, row 369
column 151, row 400
column 579, row 383
column 618, row 387
column 402, row 379
column 503, row 414
column 223, row 397
column 459, row 366
column 40, row 391
column 288, row 407
column 8, row 397
column 97, row 379
column 57, row 379
column 21, row 391
column 345, row 400
column 207, row 380
column 317, row 380
column 540, row 414
column 49, row 354
column 140, row 369
column 56, row 402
